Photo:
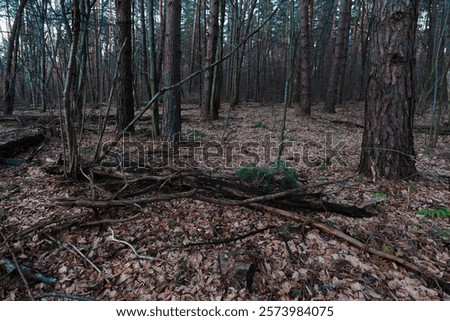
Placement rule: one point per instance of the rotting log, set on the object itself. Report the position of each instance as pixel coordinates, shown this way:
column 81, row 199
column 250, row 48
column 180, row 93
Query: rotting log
column 21, row 145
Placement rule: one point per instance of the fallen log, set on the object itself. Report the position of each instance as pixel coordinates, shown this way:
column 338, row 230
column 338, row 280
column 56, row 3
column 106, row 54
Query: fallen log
column 29, row 272
column 428, row 128
column 21, row 145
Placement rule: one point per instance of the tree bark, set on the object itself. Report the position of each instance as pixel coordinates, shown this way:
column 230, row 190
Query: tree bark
column 10, row 78
column 388, row 143
column 171, row 71
column 335, row 85
column 125, row 109
column 73, row 155
column 211, row 46
column 305, row 69
column 154, row 75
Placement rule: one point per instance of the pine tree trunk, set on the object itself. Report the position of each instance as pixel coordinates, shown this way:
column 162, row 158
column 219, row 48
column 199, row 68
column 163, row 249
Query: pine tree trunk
column 125, row 109
column 171, row 71
column 305, row 69
column 388, row 143
column 154, row 76
column 211, row 45
column 335, row 85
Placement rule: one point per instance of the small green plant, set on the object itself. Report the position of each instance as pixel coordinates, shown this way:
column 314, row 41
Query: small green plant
column 443, row 233
column 289, row 225
column 439, row 212
column 296, row 293
column 198, row 133
column 387, row 248
column 357, row 235
column 378, row 195
column 279, row 174
column 172, row 222
column 260, row 124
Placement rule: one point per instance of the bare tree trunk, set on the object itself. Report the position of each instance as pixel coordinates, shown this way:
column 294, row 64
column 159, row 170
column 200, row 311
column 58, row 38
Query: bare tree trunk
column 305, row 69
column 171, row 71
column 388, row 142
column 10, row 77
column 335, row 85
column 72, row 160
column 154, row 76
column 125, row 110
column 211, row 45
column 217, row 77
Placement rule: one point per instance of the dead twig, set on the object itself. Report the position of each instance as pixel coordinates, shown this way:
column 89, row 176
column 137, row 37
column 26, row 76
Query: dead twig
column 109, row 221
column 139, row 256
column 17, row 267
column 45, row 223
column 77, row 202
column 68, row 247
column 228, row 239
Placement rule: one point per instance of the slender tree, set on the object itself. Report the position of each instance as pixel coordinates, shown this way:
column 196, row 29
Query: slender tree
column 336, row 82
column 305, row 69
column 211, row 45
column 72, row 159
column 154, row 77
column 11, row 61
column 171, row 70
column 388, row 143
column 125, row 110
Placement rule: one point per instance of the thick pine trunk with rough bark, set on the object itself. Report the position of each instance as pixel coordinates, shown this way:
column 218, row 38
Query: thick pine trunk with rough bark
column 125, row 110
column 171, row 71
column 388, row 143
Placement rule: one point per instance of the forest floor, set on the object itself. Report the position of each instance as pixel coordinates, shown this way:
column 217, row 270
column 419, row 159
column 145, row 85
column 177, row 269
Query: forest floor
column 296, row 261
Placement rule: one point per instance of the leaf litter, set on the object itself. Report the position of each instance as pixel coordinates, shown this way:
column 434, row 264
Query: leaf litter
column 295, row 262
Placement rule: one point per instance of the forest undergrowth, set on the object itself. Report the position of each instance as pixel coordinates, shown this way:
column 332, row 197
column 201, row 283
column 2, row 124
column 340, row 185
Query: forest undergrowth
column 175, row 249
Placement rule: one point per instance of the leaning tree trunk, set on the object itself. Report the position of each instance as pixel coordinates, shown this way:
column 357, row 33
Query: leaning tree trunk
column 125, row 110
column 171, row 71
column 388, row 143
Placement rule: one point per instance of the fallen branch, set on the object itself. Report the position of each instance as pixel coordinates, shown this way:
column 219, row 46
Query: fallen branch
column 77, row 202
column 228, row 239
column 45, row 223
column 139, row 256
column 29, row 272
column 74, row 250
column 110, row 221
column 64, row 296
column 339, row 234
column 10, row 267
